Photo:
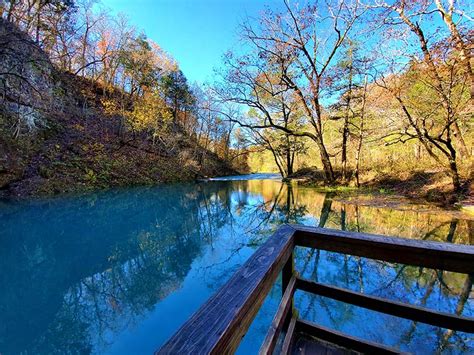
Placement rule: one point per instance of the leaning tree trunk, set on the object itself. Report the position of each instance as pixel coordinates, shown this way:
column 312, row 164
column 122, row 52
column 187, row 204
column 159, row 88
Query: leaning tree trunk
column 277, row 160
column 282, row 172
column 325, row 160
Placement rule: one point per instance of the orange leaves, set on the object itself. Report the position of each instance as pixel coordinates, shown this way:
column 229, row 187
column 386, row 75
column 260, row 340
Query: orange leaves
column 106, row 42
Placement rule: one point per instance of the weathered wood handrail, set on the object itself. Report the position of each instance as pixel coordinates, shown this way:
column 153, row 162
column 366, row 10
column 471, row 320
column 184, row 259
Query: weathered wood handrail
column 219, row 325
column 434, row 255
column 347, row 341
column 398, row 309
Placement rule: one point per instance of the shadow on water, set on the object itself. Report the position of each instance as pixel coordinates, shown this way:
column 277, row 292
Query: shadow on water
column 119, row 271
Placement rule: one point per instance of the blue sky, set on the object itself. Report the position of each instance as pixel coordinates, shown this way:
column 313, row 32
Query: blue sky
column 195, row 32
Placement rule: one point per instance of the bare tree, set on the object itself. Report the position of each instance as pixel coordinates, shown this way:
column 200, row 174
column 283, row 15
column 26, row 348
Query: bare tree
column 411, row 15
column 292, row 55
column 432, row 116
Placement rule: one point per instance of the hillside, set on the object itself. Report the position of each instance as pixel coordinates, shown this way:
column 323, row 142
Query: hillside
column 56, row 135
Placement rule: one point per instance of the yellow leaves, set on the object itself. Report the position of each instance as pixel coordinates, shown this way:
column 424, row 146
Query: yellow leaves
column 110, row 106
column 78, row 127
column 90, row 176
column 150, row 113
column 95, row 147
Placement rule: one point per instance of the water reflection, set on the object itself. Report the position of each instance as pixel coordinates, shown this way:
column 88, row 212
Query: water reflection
column 119, row 271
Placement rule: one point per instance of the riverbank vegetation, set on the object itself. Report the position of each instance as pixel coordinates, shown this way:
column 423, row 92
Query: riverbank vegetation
column 367, row 93
column 376, row 94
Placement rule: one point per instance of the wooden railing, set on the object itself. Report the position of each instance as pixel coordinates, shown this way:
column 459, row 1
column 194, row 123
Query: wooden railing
column 219, row 325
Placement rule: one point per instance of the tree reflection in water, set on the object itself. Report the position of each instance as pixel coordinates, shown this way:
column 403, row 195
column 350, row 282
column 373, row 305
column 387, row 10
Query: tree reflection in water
column 122, row 269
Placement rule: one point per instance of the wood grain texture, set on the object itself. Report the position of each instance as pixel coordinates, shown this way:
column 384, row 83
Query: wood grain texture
column 218, row 326
column 444, row 256
column 415, row 313
column 284, row 308
column 306, row 345
column 341, row 339
column 290, row 335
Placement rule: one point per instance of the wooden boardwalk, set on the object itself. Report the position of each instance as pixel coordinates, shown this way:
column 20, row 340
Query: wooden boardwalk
column 219, row 325
column 306, row 344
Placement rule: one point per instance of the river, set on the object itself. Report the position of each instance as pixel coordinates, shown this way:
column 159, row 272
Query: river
column 119, row 271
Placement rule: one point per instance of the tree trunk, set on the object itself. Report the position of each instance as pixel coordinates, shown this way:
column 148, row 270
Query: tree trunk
column 325, row 160
column 462, row 143
column 345, row 134
column 357, row 157
column 361, row 133
column 277, row 162
column 289, row 162
column 455, row 175
column 345, row 130
column 453, row 166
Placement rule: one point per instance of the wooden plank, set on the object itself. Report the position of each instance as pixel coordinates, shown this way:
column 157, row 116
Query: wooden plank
column 290, row 334
column 341, row 339
column 399, row 309
column 284, row 308
column 444, row 256
column 305, row 344
column 219, row 325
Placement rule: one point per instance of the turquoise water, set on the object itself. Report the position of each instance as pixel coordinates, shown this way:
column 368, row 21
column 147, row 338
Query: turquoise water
column 119, row 271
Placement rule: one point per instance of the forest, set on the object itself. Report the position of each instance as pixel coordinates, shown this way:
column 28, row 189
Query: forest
column 367, row 94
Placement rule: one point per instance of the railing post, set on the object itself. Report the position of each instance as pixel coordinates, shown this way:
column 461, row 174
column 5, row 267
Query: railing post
column 286, row 274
